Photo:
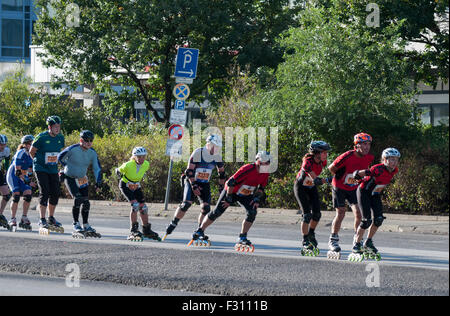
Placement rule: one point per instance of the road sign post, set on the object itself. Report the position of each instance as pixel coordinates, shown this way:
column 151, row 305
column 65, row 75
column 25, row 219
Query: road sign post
column 185, row 72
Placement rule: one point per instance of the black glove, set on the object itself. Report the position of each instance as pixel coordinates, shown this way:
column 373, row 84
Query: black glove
column 318, row 181
column 118, row 173
column 229, row 199
column 356, row 175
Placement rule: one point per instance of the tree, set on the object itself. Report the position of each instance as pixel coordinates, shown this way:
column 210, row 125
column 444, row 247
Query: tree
column 424, row 24
column 337, row 80
column 93, row 39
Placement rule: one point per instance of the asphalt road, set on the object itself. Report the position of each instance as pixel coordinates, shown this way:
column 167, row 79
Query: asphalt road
column 413, row 264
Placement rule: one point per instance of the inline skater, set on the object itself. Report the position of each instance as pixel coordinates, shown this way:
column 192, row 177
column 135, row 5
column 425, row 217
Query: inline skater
column 344, row 186
column 19, row 180
column 5, row 157
column 373, row 181
column 131, row 174
column 76, row 160
column 44, row 151
column 196, row 180
column 307, row 195
column 246, row 187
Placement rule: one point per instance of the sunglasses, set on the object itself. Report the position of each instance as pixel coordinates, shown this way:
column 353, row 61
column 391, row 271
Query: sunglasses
column 88, row 140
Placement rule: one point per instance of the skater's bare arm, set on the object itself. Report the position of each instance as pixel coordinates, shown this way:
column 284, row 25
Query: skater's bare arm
column 33, row 151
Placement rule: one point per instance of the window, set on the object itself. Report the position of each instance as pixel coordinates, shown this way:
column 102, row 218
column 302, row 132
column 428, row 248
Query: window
column 435, row 114
column 16, row 26
column 12, row 5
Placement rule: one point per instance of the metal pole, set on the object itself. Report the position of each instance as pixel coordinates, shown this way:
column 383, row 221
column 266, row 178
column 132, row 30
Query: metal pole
column 169, row 178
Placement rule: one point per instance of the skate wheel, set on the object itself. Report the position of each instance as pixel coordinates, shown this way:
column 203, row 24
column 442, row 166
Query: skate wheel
column 165, row 236
column 252, row 248
column 190, row 243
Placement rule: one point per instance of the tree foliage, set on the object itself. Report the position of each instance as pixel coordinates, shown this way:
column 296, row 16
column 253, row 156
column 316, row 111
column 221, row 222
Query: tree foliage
column 115, row 41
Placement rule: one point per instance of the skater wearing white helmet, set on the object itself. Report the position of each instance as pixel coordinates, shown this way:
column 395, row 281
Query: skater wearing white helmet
column 5, row 158
column 247, row 188
column 373, row 182
column 131, row 174
column 196, row 180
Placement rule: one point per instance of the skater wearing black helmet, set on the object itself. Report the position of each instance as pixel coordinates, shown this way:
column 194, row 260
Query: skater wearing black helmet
column 305, row 190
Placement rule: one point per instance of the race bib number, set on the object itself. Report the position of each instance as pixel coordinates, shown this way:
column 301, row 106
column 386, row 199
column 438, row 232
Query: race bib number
column 246, row 190
column 349, row 180
column 51, row 158
column 82, row 182
column 133, row 186
column 202, row 174
column 378, row 189
column 308, row 182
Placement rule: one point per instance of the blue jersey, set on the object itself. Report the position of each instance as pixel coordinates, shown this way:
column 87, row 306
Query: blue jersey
column 23, row 160
column 77, row 160
column 204, row 164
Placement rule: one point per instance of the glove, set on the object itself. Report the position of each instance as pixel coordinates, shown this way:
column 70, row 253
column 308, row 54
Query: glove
column 118, row 173
column 329, row 180
column 196, row 189
column 356, row 175
column 229, row 199
column 318, row 181
column 61, row 175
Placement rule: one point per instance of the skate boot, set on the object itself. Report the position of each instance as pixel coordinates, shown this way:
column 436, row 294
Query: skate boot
column 244, row 245
column 357, row 254
column 43, row 227
column 147, row 232
column 335, row 249
column 54, row 225
column 90, row 232
column 13, row 224
column 309, row 247
column 4, row 222
column 135, row 234
column 78, row 232
column 199, row 239
column 169, row 229
column 370, row 252
column 25, row 223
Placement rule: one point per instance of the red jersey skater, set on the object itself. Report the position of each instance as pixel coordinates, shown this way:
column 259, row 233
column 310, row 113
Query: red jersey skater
column 369, row 201
column 307, row 195
column 247, row 188
column 344, row 187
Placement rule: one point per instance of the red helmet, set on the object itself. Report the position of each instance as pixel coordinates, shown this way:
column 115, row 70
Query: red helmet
column 362, row 138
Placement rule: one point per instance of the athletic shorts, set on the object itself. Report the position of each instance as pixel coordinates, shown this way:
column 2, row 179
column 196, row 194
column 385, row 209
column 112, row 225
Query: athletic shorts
column 340, row 196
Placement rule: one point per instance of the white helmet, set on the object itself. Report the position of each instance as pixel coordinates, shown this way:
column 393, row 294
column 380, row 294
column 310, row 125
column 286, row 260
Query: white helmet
column 139, row 151
column 3, row 139
column 215, row 140
column 390, row 152
column 263, row 156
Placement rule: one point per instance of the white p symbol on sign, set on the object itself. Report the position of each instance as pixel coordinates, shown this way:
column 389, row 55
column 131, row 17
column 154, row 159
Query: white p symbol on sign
column 187, row 60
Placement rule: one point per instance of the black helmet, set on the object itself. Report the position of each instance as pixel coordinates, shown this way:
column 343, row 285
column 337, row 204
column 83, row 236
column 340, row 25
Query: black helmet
column 54, row 119
column 319, row 146
column 87, row 135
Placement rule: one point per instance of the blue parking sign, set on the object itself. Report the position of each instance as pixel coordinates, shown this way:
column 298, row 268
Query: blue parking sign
column 180, row 104
column 187, row 61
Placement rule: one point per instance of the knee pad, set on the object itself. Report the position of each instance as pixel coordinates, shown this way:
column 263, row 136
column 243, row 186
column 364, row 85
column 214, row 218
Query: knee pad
column 215, row 214
column 135, row 207
column 206, row 209
column 365, row 223
column 307, row 218
column 7, row 197
column 16, row 198
column 184, row 206
column 316, row 216
column 251, row 215
column 86, row 206
column 143, row 209
column 378, row 221
column 27, row 198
